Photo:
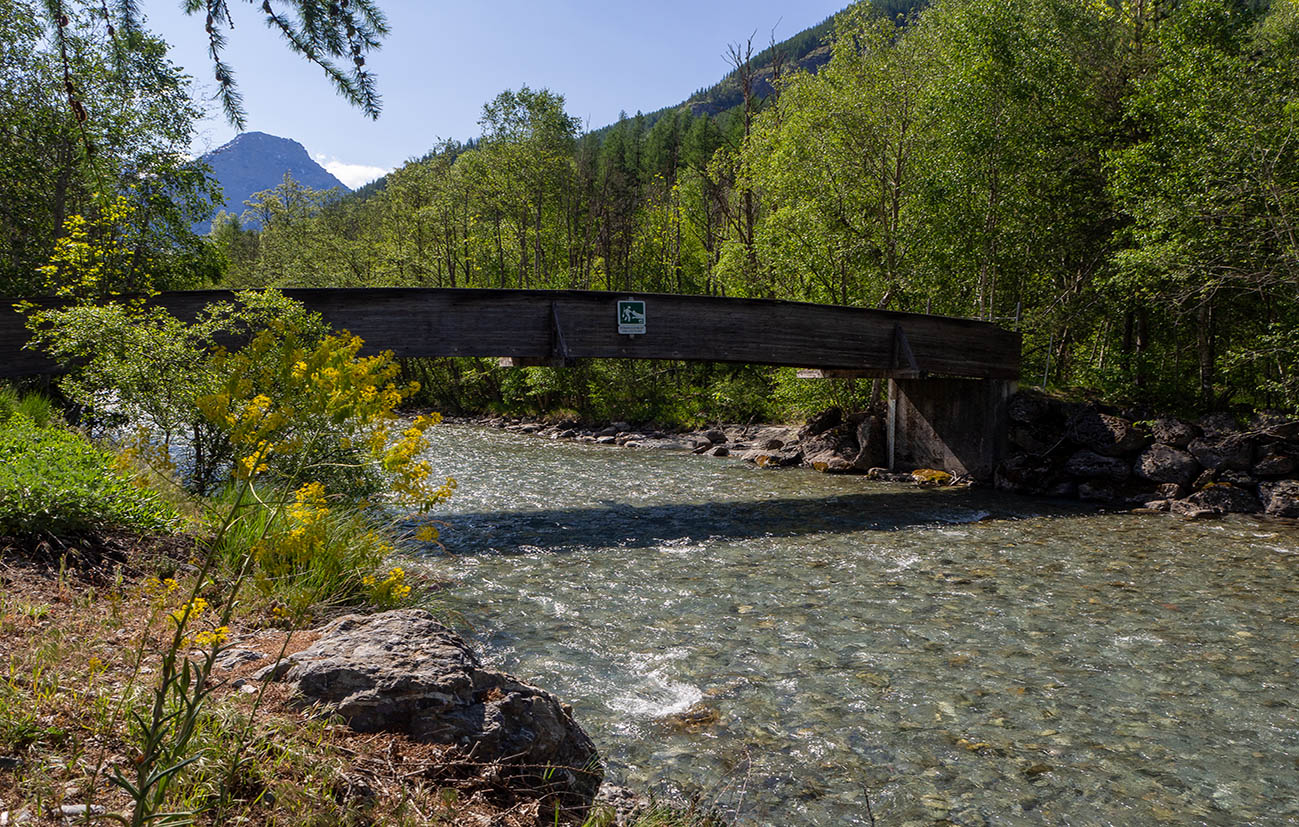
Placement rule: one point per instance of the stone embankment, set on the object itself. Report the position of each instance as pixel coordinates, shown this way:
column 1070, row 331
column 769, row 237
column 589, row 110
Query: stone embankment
column 1215, row 465
column 1212, row 466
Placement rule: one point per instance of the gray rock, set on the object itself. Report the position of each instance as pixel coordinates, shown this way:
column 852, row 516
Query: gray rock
column 1096, row 492
column 607, row 431
column 829, row 462
column 1093, row 466
column 872, row 444
column 1023, row 474
column 821, row 423
column 719, row 451
column 619, row 427
column 1222, row 499
column 1172, row 431
column 783, row 458
column 1165, row 463
column 80, row 811
column 1030, row 439
column 714, row 436
column 771, row 444
column 1103, row 434
column 1065, row 489
column 231, row 658
column 1191, row 511
column 1233, row 452
column 1218, row 425
column 1275, row 465
column 1280, row 499
column 403, row 671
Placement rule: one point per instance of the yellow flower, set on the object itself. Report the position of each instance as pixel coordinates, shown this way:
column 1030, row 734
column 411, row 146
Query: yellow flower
column 426, row 534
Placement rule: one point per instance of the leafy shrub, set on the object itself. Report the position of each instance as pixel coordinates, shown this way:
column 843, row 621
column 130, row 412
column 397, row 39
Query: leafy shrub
column 39, row 409
column 314, row 553
column 53, row 482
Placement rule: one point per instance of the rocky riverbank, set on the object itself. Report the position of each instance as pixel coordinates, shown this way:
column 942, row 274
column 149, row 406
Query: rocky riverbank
column 1212, row 466
column 1208, row 467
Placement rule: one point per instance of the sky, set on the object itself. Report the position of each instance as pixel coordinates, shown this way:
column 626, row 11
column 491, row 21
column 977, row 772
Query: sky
column 443, row 61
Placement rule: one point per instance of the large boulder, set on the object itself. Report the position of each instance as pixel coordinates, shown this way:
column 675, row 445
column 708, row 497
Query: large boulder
column 1275, row 465
column 840, row 440
column 1217, row 425
column 1164, row 463
column 1218, row 499
column 1230, row 452
column 1280, row 499
column 1023, row 474
column 1171, row 431
column 821, row 423
column 872, row 444
column 1090, row 465
column 403, row 671
column 1104, row 434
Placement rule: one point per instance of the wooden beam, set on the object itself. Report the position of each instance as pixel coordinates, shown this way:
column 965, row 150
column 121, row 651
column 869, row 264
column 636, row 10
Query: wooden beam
column 822, row 373
column 570, row 324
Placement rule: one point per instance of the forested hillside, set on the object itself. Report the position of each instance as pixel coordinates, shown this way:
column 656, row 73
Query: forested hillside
column 1122, row 176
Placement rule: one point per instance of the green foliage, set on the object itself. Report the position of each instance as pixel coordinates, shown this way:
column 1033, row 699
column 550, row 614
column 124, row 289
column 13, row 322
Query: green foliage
column 38, row 408
column 120, row 135
column 54, row 483
column 1121, row 178
column 310, row 558
column 140, row 365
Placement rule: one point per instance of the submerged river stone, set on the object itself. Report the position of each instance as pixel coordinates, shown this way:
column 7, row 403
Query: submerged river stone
column 403, row 671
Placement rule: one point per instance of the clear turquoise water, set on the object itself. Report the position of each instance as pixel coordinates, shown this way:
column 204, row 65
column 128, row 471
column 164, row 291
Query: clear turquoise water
column 939, row 654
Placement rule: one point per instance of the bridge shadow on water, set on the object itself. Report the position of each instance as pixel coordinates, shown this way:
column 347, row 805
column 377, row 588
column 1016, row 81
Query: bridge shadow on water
column 609, row 524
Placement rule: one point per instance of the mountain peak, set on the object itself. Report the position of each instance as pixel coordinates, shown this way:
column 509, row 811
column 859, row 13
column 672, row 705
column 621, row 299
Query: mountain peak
column 255, row 161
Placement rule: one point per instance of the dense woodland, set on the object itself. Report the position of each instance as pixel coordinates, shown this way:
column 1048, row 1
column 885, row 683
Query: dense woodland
column 1118, row 178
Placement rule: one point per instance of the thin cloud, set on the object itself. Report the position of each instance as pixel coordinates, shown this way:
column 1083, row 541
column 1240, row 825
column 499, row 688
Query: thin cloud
column 352, row 175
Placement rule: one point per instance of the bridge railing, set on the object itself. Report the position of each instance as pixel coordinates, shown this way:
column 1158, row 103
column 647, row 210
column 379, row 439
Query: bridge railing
column 539, row 326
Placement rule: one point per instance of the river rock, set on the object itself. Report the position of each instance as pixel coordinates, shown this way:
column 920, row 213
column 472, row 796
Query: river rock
column 1275, row 465
column 1218, row 425
column 1023, row 474
column 1218, row 499
column 1280, row 499
column 1032, row 408
column 1165, row 463
column 1172, row 431
column 403, row 671
column 872, row 445
column 1234, row 452
column 821, row 423
column 714, row 436
column 1093, row 466
column 719, row 451
column 828, row 462
column 1030, row 439
column 784, row 458
column 1103, row 434
column 1096, row 491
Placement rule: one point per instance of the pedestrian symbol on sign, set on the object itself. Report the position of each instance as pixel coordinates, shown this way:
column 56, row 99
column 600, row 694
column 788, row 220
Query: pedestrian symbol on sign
column 631, row 316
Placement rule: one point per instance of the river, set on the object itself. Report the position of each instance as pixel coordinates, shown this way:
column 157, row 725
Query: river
column 799, row 648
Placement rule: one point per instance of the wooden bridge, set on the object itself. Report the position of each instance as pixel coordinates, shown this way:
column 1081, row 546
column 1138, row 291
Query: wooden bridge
column 955, row 422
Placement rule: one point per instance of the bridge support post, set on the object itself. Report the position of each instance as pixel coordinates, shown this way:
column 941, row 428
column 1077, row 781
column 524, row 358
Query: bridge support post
column 956, row 425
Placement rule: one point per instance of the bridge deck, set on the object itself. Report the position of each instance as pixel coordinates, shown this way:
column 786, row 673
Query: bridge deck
column 543, row 325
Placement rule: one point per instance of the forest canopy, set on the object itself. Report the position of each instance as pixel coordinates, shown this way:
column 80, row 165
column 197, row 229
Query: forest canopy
column 1118, row 178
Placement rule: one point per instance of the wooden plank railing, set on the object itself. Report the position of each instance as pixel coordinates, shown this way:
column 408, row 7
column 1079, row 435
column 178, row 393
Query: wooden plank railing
column 542, row 326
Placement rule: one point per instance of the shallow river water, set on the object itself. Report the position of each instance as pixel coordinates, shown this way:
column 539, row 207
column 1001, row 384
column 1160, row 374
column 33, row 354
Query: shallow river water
column 799, row 648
